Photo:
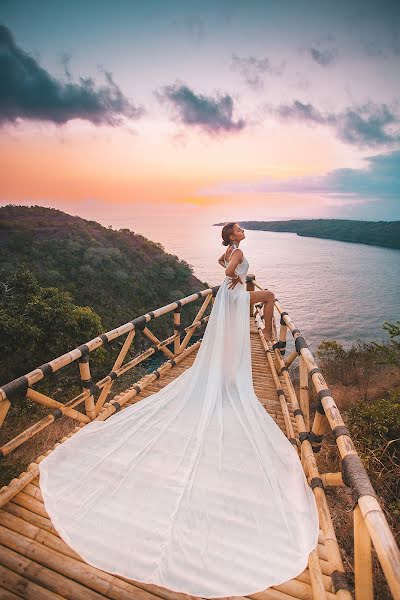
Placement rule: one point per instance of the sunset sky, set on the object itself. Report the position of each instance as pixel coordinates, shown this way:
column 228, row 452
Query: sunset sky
column 218, row 109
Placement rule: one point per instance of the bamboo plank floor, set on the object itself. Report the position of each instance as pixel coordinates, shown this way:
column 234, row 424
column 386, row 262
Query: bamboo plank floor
column 36, row 564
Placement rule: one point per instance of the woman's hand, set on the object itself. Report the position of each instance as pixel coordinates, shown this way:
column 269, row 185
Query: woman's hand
column 233, row 282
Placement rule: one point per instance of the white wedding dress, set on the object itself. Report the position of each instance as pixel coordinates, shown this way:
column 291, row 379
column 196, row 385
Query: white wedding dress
column 194, row 488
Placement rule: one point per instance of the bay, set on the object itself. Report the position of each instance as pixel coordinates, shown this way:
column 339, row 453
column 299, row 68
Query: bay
column 331, row 289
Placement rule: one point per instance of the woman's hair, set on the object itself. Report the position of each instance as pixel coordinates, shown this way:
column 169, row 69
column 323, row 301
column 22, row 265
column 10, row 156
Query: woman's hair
column 226, row 232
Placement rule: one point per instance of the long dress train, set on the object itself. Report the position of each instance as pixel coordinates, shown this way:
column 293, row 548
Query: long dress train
column 194, row 488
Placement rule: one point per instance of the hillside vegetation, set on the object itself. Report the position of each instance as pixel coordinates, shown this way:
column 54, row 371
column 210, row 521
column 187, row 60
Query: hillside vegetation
column 64, row 280
column 365, row 381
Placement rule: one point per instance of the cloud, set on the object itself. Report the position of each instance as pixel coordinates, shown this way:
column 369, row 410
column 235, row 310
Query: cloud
column 29, row 92
column 380, row 179
column 253, row 69
column 364, row 125
column 213, row 115
column 323, row 57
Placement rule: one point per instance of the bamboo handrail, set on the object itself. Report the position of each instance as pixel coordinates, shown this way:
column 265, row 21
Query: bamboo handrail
column 354, row 475
column 22, row 386
column 339, row 582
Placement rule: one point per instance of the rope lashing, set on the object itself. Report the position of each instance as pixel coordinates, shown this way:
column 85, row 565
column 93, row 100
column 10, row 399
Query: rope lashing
column 339, row 581
column 340, row 430
column 90, row 385
column 279, row 345
column 313, row 371
column 300, row 343
column 16, row 389
column 282, row 322
column 322, row 394
column 355, row 476
column 106, row 342
column 314, row 439
column 46, row 369
column 57, row 413
column 139, row 323
column 84, row 350
column 316, row 482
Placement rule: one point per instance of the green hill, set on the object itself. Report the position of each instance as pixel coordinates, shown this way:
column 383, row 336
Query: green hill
column 64, row 279
column 376, row 233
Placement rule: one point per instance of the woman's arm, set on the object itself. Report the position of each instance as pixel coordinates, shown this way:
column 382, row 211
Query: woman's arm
column 235, row 259
column 221, row 260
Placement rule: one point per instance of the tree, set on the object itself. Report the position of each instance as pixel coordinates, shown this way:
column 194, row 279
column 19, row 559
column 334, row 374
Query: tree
column 38, row 323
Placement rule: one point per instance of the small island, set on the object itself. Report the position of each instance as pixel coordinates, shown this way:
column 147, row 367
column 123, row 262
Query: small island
column 375, row 233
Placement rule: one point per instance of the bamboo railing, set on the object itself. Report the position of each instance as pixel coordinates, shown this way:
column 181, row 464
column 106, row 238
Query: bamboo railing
column 370, row 525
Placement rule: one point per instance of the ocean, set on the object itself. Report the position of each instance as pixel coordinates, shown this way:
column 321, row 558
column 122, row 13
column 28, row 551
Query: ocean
column 332, row 290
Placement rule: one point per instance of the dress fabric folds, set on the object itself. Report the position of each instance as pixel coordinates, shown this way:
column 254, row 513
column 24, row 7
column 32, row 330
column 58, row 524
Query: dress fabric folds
column 194, row 488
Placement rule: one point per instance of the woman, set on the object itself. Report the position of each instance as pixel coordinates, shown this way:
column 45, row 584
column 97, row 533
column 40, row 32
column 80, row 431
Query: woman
column 232, row 235
column 194, row 488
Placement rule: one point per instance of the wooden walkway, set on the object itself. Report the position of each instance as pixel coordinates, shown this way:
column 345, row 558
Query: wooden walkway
column 36, row 564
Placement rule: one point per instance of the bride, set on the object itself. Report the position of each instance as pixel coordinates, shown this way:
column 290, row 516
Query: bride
column 194, row 488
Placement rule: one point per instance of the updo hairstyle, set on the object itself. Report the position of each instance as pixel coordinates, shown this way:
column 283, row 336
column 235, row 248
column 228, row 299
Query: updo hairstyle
column 226, row 232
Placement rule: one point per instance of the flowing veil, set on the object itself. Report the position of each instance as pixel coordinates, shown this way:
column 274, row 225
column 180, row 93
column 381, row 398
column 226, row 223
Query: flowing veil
column 194, row 488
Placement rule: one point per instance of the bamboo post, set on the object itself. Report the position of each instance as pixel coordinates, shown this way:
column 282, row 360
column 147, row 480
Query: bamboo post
column 197, row 321
column 250, row 280
column 383, row 541
column 362, row 558
column 44, row 400
column 317, row 582
column 304, row 395
column 149, row 334
column 120, row 359
column 177, row 329
column 190, row 329
column 291, row 358
column 4, row 406
column 122, row 398
column 87, row 383
column 332, row 479
column 282, row 336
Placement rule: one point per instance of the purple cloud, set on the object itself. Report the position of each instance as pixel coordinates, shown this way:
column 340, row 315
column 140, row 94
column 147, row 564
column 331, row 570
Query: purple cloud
column 213, row 115
column 363, row 125
column 253, row 69
column 29, row 92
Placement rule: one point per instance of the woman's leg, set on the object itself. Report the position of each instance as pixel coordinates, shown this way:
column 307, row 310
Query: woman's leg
column 268, row 299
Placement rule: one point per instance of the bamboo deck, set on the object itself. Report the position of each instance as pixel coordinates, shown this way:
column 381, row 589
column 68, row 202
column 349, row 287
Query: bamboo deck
column 35, row 563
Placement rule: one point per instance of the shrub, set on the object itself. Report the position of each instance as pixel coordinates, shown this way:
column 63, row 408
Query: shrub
column 375, row 428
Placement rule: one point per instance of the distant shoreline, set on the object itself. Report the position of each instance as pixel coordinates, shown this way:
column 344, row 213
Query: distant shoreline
column 385, row 234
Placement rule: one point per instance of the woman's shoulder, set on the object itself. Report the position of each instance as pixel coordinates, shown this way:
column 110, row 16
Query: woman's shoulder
column 239, row 251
